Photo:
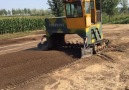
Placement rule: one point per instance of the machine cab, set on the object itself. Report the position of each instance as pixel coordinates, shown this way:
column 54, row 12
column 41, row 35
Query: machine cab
column 82, row 13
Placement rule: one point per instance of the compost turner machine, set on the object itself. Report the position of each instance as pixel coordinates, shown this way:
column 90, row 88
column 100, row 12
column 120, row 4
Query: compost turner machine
column 83, row 17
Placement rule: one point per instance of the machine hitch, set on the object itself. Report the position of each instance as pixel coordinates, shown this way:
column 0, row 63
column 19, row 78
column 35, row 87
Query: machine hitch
column 86, row 51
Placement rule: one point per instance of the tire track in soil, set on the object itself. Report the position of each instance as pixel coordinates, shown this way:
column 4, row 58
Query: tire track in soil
column 18, row 67
column 17, row 47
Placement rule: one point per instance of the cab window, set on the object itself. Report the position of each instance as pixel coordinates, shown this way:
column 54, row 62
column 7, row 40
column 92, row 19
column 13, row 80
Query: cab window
column 87, row 7
column 92, row 4
column 68, row 9
column 74, row 9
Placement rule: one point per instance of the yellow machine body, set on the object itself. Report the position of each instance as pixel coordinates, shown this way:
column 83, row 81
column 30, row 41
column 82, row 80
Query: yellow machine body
column 83, row 17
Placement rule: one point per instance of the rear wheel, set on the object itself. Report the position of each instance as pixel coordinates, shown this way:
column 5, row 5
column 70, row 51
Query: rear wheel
column 43, row 46
column 52, row 42
column 56, row 40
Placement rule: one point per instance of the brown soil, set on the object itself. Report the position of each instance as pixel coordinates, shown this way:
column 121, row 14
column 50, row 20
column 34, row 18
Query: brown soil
column 36, row 36
column 24, row 65
column 63, row 70
column 4, row 42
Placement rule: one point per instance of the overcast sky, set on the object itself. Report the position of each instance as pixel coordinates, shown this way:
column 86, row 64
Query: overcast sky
column 9, row 4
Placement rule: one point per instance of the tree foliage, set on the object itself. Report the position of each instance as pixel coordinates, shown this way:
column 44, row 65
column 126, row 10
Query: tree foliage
column 124, row 4
column 3, row 12
column 109, row 7
column 25, row 11
column 56, row 7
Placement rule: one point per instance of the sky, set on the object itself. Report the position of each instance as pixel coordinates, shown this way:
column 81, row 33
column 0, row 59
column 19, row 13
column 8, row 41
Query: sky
column 9, row 4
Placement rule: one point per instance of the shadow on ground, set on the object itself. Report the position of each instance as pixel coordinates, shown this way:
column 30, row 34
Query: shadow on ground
column 72, row 52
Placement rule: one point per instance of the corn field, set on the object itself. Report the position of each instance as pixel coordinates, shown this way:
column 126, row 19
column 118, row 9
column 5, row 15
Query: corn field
column 20, row 24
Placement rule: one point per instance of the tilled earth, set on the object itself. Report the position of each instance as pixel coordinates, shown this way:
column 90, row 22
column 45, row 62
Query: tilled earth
column 21, row 66
column 62, row 69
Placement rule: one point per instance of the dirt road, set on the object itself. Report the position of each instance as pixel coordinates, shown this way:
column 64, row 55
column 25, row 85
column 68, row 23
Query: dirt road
column 31, row 69
column 17, row 47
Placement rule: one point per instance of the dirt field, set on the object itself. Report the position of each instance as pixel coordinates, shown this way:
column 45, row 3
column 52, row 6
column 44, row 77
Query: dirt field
column 31, row 69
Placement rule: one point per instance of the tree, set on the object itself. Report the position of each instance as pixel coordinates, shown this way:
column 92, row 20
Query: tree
column 29, row 11
column 25, row 10
column 124, row 4
column 56, row 7
column 33, row 12
column 109, row 7
column 47, row 12
column 13, row 12
column 3, row 12
column 19, row 11
column 9, row 12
